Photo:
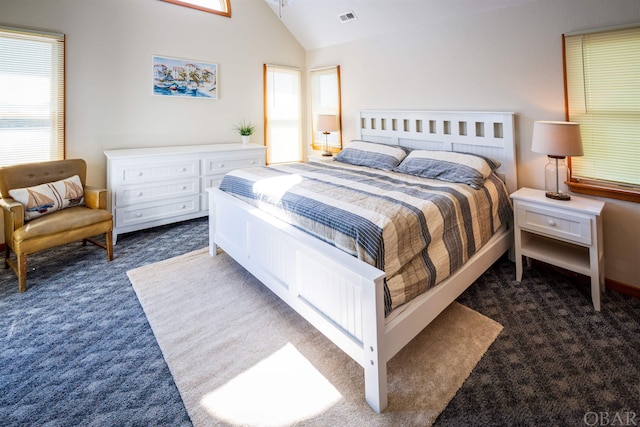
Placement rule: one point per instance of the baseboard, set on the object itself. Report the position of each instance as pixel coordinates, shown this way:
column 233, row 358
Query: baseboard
column 614, row 285
column 622, row 288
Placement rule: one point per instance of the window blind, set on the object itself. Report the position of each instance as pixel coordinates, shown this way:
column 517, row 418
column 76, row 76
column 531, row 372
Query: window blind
column 603, row 95
column 31, row 96
column 283, row 113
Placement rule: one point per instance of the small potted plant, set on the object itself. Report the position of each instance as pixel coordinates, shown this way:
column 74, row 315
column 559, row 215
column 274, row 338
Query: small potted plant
column 245, row 129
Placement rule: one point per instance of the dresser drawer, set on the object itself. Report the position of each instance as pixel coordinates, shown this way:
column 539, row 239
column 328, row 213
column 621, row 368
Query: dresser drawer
column 139, row 173
column 555, row 223
column 141, row 213
column 224, row 164
column 133, row 194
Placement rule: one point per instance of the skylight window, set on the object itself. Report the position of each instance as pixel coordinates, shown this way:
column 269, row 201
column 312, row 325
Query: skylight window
column 219, row 7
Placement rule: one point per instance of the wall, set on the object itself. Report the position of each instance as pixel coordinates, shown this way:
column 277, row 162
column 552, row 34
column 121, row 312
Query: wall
column 109, row 44
column 505, row 60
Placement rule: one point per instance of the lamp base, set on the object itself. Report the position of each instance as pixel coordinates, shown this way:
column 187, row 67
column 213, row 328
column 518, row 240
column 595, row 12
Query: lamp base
column 557, row 196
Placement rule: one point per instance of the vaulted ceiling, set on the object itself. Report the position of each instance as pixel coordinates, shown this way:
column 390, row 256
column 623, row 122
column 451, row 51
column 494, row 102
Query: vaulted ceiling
column 317, row 23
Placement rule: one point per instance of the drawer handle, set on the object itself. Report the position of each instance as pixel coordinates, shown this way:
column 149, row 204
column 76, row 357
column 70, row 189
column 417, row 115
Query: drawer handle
column 183, row 206
column 184, row 169
column 140, row 174
column 138, row 215
column 184, row 187
column 551, row 222
column 139, row 193
column 221, row 165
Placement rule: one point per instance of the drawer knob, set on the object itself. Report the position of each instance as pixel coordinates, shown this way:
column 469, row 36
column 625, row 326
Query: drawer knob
column 139, row 193
column 140, row 173
column 184, row 187
column 183, row 206
column 184, row 169
column 221, row 165
column 253, row 162
column 551, row 222
column 138, row 215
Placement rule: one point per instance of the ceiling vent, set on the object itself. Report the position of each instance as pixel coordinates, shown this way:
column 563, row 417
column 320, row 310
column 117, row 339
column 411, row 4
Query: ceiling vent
column 347, row 17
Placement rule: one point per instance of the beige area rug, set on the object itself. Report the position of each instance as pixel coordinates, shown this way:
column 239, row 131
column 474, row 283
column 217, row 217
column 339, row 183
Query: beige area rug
column 241, row 357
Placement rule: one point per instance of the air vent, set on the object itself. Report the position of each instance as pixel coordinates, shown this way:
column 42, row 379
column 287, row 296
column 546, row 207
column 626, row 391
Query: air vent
column 347, row 17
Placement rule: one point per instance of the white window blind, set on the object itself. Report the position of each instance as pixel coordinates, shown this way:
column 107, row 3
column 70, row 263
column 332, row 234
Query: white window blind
column 603, row 95
column 283, row 114
column 31, row 96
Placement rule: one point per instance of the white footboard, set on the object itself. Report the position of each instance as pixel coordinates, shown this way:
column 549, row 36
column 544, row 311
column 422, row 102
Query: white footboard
column 338, row 294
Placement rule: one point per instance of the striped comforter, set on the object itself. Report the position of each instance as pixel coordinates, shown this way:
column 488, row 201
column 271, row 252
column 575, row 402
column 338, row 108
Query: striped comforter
column 417, row 230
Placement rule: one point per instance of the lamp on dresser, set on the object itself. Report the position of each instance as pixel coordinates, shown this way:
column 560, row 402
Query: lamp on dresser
column 326, row 123
column 557, row 140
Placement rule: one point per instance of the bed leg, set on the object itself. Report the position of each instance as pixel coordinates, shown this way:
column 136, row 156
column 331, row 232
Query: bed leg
column 214, row 249
column 374, row 350
column 375, row 382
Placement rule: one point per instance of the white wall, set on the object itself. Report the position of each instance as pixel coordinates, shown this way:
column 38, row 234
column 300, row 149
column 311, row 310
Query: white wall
column 505, row 60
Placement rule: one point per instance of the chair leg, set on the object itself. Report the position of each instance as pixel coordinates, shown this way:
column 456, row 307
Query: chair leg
column 22, row 273
column 108, row 240
column 7, row 255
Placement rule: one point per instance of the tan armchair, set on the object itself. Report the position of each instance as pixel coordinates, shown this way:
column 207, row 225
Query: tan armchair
column 67, row 225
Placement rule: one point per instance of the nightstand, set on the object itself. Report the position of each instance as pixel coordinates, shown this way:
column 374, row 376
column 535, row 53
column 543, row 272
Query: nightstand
column 566, row 234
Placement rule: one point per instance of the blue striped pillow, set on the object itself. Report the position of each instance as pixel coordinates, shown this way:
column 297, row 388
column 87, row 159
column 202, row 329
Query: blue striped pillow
column 449, row 166
column 377, row 156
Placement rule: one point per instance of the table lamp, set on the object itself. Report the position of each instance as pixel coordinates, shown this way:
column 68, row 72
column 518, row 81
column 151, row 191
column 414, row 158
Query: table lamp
column 326, row 123
column 557, row 140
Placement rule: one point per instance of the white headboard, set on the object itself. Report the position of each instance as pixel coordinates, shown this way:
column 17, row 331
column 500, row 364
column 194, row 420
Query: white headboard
column 487, row 133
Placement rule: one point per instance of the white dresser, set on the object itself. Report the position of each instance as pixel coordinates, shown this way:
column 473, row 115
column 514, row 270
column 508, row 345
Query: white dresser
column 156, row 186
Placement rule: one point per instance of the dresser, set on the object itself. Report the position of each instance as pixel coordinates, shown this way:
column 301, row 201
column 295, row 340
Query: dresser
column 155, row 186
column 566, row 234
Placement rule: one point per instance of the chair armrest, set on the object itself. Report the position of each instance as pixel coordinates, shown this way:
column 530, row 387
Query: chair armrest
column 95, row 198
column 13, row 215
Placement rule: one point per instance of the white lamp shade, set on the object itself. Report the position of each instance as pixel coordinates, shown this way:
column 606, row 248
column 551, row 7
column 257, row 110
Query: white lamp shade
column 326, row 123
column 557, row 138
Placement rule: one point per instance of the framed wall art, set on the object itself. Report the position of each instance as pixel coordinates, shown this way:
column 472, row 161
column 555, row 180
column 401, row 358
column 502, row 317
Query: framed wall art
column 184, row 78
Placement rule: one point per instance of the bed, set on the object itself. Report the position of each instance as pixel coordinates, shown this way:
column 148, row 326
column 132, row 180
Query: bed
column 344, row 297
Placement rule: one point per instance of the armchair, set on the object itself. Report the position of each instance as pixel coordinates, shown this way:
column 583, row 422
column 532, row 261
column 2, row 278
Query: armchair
column 56, row 221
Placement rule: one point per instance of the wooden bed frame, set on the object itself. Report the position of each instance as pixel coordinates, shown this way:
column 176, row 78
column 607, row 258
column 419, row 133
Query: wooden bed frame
column 339, row 294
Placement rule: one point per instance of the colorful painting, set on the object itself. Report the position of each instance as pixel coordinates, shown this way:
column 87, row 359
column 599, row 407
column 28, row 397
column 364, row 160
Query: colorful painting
column 184, row 78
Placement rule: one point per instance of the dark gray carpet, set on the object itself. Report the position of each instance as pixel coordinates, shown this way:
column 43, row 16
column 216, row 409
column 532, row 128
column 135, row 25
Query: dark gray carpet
column 76, row 348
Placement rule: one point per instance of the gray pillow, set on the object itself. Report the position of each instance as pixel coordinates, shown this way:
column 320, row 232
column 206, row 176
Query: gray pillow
column 377, row 156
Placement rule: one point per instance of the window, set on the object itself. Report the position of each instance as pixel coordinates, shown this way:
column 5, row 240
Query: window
column 325, row 99
column 219, row 7
column 31, row 96
column 282, row 112
column 603, row 95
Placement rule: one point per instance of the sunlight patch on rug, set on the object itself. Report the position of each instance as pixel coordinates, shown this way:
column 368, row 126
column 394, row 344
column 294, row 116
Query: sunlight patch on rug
column 283, row 389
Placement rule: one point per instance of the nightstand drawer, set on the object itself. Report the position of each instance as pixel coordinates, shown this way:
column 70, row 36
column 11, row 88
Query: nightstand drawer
column 555, row 223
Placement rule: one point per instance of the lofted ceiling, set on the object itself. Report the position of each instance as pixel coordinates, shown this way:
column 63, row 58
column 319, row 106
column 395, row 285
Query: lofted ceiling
column 316, row 23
